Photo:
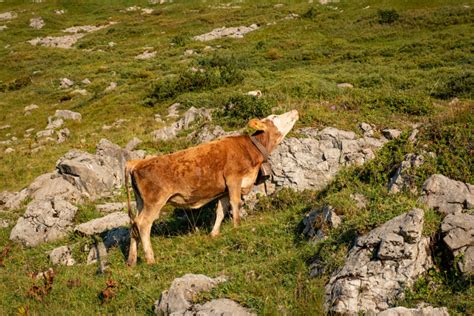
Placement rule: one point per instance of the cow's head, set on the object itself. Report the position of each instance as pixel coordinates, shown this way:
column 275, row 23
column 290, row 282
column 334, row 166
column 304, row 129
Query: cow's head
column 275, row 127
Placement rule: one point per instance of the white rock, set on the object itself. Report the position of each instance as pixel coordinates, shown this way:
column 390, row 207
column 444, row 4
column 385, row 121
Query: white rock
column 232, row 32
column 9, row 150
column 79, row 91
column 62, row 256
column 146, row 55
column 65, row 83
column 54, row 123
column 345, row 85
column 3, row 27
column 59, row 12
column 30, row 107
column 99, row 225
column 37, row 23
column 111, row 87
column 86, row 81
column 7, row 16
column 68, row 115
column 255, row 93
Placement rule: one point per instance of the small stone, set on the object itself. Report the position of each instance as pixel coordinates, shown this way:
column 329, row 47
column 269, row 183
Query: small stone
column 147, row 11
column 59, row 12
column 4, row 223
column 255, row 93
column 86, row 81
column 9, row 150
column 3, row 27
column 367, row 129
column 391, row 133
column 66, row 83
column 7, row 16
column 80, row 91
column 37, row 23
column 45, row 133
column 54, row 123
column 111, row 87
column 62, row 256
column 173, row 110
column 146, row 55
column 345, row 85
column 188, row 52
column 68, row 115
column 412, row 137
column 4, row 127
column 111, row 44
column 63, row 135
column 30, row 107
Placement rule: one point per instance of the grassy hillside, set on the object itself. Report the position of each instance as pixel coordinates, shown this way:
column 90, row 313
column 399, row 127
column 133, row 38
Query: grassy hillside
column 406, row 60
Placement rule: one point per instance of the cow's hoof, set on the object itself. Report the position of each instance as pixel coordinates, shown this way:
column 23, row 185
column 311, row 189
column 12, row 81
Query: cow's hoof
column 214, row 235
column 132, row 263
column 150, row 260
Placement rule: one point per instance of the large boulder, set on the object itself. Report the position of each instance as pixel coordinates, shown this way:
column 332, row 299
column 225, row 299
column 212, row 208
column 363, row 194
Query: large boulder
column 179, row 297
column 446, row 195
column 419, row 311
column 44, row 221
column 380, row 266
column 312, row 162
column 102, row 224
column 458, row 232
column 53, row 184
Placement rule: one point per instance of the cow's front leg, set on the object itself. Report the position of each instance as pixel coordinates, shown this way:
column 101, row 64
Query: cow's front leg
column 222, row 206
column 234, row 186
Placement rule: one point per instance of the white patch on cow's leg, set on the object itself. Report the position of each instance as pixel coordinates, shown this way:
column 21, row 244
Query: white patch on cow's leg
column 132, row 252
column 222, row 206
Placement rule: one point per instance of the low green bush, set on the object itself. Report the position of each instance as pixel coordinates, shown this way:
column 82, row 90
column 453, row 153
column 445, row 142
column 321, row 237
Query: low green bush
column 387, row 16
column 239, row 109
column 456, row 85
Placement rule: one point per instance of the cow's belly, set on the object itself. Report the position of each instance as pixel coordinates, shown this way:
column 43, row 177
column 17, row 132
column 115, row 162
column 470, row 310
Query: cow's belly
column 191, row 201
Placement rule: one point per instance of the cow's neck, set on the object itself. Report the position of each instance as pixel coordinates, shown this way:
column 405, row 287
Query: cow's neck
column 266, row 140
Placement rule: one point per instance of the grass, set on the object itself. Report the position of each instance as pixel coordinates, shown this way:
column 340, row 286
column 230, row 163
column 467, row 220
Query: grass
column 406, row 61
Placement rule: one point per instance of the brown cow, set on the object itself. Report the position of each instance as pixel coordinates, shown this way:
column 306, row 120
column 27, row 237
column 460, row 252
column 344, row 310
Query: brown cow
column 223, row 169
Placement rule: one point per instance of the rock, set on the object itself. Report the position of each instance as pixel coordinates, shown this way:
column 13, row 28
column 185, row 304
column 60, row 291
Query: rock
column 44, row 221
column 412, row 137
column 111, row 207
column 380, row 266
column 147, row 11
column 158, row 118
column 98, row 253
column 51, row 185
column 45, row 133
column 37, row 23
column 31, row 107
column 54, row 123
column 118, row 123
column 9, row 150
column 146, row 55
column 179, row 297
column 111, row 87
column 65, row 83
column 59, row 12
column 79, row 91
column 68, row 115
column 367, row 129
column 99, row 225
column 207, row 133
column 291, row 16
column 391, row 133
column 87, row 28
column 446, row 195
column 188, row 52
column 421, row 311
column 86, row 81
column 403, row 178
column 345, row 85
column 3, row 27
column 255, row 93
column 458, row 231
column 133, row 143
column 8, row 16
column 4, row 223
column 4, row 127
column 232, row 32
column 190, row 116
column 62, row 256
column 218, row 307
column 63, row 135
column 317, row 222
column 313, row 161
column 173, row 110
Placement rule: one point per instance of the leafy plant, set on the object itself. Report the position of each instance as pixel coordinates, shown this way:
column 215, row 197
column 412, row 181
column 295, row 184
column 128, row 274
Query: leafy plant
column 388, row 16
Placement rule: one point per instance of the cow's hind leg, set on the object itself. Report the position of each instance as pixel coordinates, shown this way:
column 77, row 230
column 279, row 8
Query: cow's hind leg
column 144, row 221
column 222, row 206
column 132, row 252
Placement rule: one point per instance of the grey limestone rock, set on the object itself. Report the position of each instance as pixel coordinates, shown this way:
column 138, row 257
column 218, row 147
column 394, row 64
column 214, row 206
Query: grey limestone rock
column 232, row 32
column 102, row 224
column 62, row 256
column 458, row 231
column 178, row 298
column 380, row 266
column 51, row 185
column 68, row 115
column 419, row 311
column 45, row 220
column 219, row 307
column 447, row 195
column 12, row 200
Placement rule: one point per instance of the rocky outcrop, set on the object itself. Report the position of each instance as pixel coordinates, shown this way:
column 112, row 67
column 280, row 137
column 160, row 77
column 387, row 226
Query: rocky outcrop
column 190, row 116
column 419, row 311
column 102, row 224
column 446, row 195
column 313, row 161
column 232, row 32
column 12, row 200
column 402, row 179
column 380, row 266
column 458, row 232
column 44, row 220
column 178, row 299
column 317, row 222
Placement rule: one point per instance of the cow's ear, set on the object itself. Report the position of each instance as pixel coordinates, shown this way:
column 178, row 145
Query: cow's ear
column 257, row 125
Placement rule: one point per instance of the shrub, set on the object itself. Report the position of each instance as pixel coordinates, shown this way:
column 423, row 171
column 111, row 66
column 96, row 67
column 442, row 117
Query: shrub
column 457, row 85
column 406, row 104
column 310, row 14
column 239, row 109
column 388, row 16
column 180, row 40
column 220, row 72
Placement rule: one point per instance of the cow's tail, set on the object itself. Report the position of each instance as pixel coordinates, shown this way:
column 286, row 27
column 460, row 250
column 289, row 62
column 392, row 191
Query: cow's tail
column 128, row 174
